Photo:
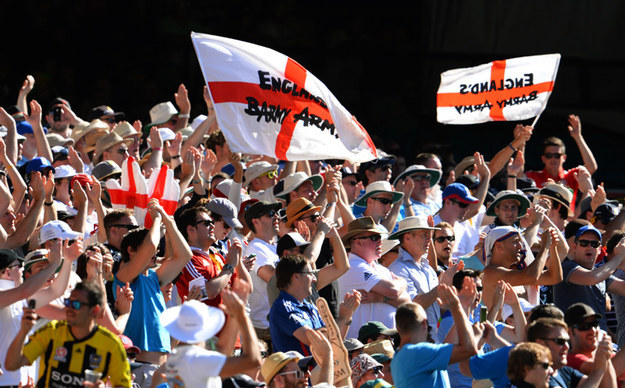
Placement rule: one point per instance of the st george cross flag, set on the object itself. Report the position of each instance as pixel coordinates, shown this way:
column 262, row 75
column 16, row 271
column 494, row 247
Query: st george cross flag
column 266, row 103
column 511, row 89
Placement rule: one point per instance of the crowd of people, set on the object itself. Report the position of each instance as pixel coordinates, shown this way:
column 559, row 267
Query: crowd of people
column 286, row 274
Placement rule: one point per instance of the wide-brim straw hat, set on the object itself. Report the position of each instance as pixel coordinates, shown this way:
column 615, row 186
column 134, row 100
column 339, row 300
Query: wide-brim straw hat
column 106, row 142
column 125, row 130
column 409, row 224
column 524, row 203
column 378, row 187
column 559, row 194
column 299, row 208
column 360, row 225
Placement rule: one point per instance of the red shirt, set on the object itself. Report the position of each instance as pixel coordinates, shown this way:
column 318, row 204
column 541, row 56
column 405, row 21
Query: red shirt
column 575, row 360
column 565, row 177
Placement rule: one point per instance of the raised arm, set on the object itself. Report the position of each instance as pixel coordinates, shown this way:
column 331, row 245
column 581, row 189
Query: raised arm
column 182, row 100
column 482, row 189
column 521, row 135
column 575, row 130
column 11, row 138
column 585, row 277
column 43, row 148
column 553, row 274
column 26, row 228
column 330, row 273
column 171, row 267
column 467, row 345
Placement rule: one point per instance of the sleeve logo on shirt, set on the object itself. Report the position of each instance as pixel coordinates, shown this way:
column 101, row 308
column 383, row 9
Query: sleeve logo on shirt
column 367, row 275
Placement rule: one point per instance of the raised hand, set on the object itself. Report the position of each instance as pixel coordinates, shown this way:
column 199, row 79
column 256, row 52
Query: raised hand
column 124, row 298
column 575, row 126
column 182, row 99
column 28, row 85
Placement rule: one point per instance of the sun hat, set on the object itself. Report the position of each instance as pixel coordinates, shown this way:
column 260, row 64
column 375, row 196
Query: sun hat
column 578, row 313
column 38, row 163
column 459, row 192
column 125, row 130
column 359, row 225
column 373, row 329
column 587, row 228
column 199, row 119
column 56, row 229
column 256, row 169
column 226, row 209
column 378, row 187
column 35, row 256
column 559, row 194
column 384, row 346
column 409, row 224
column 295, row 180
column 360, row 365
column 506, row 310
column 298, row 209
column 259, row 209
column 465, row 163
column 106, row 142
column 193, row 321
column 161, row 113
column 105, row 170
column 352, row 344
column 93, row 130
column 382, row 159
column 435, row 175
column 524, row 203
column 166, row 134
column 273, row 363
column 54, row 139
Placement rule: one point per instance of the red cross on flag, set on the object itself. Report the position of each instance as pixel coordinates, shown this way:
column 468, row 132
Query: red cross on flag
column 506, row 90
column 266, row 103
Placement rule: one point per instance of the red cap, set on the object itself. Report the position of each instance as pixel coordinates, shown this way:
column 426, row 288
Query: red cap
column 128, row 345
column 83, row 179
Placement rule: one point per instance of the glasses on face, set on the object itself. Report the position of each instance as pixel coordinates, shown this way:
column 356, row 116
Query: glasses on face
column 207, row 223
column 122, row 151
column 442, row 239
column 351, row 183
column 271, row 214
column 560, row 341
column 384, row 167
column 270, row 174
column 373, row 237
column 382, row 200
column 585, row 326
column 552, row 155
column 460, row 204
column 313, row 218
column 74, row 304
column 109, row 120
column 592, row 243
column 421, row 177
column 126, row 226
column 479, row 288
column 545, row 365
column 298, row 374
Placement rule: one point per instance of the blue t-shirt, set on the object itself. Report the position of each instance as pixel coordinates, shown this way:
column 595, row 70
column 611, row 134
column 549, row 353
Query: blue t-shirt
column 287, row 314
column 492, row 365
column 144, row 326
column 566, row 377
column 421, row 365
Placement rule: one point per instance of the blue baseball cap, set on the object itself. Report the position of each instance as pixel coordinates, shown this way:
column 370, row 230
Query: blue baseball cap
column 38, row 164
column 459, row 192
column 24, row 127
column 587, row 228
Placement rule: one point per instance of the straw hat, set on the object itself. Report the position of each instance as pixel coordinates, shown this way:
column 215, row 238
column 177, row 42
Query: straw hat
column 161, row 113
column 360, row 225
column 378, row 187
column 298, row 209
column 409, row 224
column 125, row 130
column 106, row 142
column 274, row 363
column 559, row 194
column 54, row 139
column 95, row 127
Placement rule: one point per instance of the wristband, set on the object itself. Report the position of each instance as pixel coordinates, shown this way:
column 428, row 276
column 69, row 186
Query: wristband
column 512, row 176
column 48, row 203
column 349, row 322
column 184, row 115
column 175, row 157
column 197, row 181
column 228, row 267
column 157, row 149
column 512, row 148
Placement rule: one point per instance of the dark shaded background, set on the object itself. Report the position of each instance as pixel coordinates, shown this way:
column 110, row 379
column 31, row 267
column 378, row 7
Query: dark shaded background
column 381, row 59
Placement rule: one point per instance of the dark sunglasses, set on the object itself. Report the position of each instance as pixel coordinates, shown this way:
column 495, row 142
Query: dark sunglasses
column 313, row 218
column 545, row 365
column 479, row 288
column 75, row 304
column 561, row 341
column 126, row 226
column 442, row 239
column 383, row 201
column 206, row 223
column 461, row 204
column 592, row 243
column 419, row 178
column 585, row 326
column 351, row 183
column 270, row 213
column 373, row 237
column 122, row 151
column 552, row 155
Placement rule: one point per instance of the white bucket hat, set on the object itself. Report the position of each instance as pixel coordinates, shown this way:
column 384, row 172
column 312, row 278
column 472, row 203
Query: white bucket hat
column 293, row 181
column 256, row 169
column 193, row 321
column 409, row 224
column 162, row 113
column 376, row 188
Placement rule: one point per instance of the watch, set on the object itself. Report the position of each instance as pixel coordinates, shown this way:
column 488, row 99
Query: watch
column 228, row 267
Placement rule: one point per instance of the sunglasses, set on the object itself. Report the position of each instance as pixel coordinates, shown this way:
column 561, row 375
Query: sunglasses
column 75, row 304
column 351, row 183
column 585, row 326
column 270, row 213
column 206, row 223
column 373, row 237
column 419, row 178
column 561, row 341
column 552, row 155
column 545, row 365
column 126, row 226
column 442, row 239
column 298, row 374
column 592, row 243
column 122, row 151
column 313, row 218
column 383, row 201
column 109, row 120
column 479, row 288
column 270, row 174
column 461, row 204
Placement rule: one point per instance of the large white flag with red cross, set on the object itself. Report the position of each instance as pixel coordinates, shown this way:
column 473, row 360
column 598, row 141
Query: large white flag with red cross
column 266, row 103
column 511, row 89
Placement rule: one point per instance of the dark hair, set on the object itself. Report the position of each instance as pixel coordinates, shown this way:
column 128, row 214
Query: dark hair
column 540, row 328
column 423, row 158
column 554, row 141
column 215, row 139
column 287, row 266
column 81, row 262
column 545, row 311
column 614, row 240
column 460, row 275
column 189, row 218
column 133, row 239
column 114, row 216
column 95, row 295
column 525, row 354
column 570, row 230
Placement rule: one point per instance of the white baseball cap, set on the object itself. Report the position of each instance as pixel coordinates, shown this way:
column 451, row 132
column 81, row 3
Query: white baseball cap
column 56, row 229
column 64, row 171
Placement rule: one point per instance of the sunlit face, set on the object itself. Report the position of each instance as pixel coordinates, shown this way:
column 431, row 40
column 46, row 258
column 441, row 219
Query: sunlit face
column 553, row 158
column 586, row 256
column 512, row 247
column 418, row 241
column 352, row 187
column 442, row 244
column 586, row 334
column 507, row 211
column 558, row 352
column 306, row 190
column 379, row 205
column 117, row 153
column 539, row 374
column 8, row 220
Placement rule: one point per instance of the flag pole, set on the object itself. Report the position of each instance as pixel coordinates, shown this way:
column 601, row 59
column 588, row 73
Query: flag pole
column 535, row 120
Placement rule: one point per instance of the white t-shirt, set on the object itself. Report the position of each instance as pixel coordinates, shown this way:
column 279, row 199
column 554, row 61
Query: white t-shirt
column 193, row 366
column 258, row 301
column 463, row 233
column 362, row 275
